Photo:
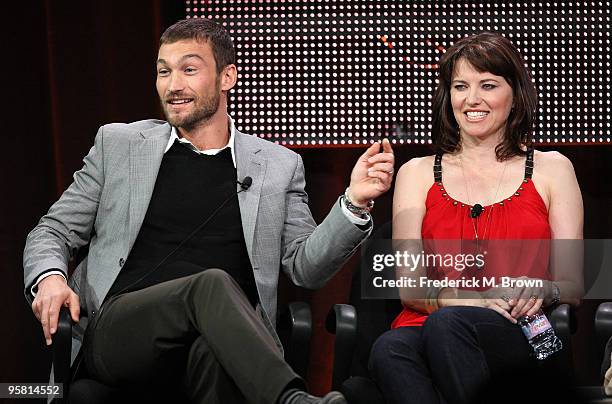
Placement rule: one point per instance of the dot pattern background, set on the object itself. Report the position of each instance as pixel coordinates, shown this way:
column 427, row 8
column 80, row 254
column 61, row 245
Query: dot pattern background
column 333, row 73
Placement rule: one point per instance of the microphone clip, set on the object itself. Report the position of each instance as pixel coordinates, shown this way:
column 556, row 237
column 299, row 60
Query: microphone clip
column 476, row 211
column 246, row 183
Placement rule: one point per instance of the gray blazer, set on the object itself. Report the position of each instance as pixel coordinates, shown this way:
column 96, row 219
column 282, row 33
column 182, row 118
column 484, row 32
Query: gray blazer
column 107, row 201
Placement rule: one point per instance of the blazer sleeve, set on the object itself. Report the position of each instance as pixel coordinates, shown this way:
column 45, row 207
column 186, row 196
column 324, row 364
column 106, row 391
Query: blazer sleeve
column 312, row 254
column 68, row 224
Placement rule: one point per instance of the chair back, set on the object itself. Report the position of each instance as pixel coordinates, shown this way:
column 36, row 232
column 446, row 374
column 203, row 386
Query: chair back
column 374, row 316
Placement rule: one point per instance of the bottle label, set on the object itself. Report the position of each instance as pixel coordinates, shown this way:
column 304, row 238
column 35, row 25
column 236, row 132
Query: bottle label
column 536, row 327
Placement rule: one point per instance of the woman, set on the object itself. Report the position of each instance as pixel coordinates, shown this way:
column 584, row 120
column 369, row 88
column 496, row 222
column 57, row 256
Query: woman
column 485, row 182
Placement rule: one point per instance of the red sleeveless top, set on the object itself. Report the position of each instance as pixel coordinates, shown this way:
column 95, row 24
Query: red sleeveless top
column 522, row 215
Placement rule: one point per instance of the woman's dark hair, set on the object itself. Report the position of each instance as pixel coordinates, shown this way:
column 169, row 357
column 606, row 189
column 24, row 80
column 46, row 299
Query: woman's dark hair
column 203, row 30
column 486, row 52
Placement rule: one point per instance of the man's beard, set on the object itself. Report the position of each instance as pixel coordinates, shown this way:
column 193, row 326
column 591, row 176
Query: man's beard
column 202, row 112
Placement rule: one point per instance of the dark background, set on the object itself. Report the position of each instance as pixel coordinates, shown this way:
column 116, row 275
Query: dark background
column 71, row 66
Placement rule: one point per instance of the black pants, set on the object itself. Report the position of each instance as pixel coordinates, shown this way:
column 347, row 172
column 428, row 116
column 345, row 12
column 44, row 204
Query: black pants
column 452, row 358
column 198, row 333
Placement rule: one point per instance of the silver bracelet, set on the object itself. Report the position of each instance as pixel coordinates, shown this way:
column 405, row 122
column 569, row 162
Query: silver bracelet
column 354, row 208
column 556, row 294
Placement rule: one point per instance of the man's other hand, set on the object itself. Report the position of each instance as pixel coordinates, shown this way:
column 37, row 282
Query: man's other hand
column 52, row 294
column 373, row 174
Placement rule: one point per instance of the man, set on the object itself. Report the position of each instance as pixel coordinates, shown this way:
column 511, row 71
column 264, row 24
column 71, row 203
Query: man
column 159, row 205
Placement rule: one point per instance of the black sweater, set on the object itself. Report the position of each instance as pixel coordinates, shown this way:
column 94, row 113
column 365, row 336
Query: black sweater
column 189, row 187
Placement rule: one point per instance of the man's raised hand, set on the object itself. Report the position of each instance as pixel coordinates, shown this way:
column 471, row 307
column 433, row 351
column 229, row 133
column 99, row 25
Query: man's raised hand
column 372, row 174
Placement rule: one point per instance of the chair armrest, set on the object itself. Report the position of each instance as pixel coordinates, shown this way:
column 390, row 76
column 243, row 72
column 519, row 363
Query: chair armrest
column 342, row 321
column 295, row 329
column 603, row 330
column 563, row 320
column 603, row 321
column 60, row 349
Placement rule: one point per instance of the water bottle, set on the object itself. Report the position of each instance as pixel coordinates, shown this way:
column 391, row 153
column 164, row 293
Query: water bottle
column 540, row 334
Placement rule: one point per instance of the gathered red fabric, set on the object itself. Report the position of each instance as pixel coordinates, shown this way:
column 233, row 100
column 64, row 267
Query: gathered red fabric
column 514, row 232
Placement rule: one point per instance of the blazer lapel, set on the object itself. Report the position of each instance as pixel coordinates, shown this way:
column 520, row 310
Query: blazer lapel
column 249, row 164
column 146, row 153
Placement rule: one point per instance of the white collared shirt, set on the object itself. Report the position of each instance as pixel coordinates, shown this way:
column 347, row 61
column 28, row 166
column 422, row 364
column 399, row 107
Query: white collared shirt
column 210, row 152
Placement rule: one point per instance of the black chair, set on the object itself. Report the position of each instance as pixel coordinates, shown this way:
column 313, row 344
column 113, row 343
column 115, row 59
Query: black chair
column 294, row 329
column 603, row 340
column 356, row 327
column 603, row 332
column 603, row 327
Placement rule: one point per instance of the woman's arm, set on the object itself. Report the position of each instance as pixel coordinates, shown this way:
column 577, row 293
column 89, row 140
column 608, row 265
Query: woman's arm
column 566, row 218
column 556, row 178
column 411, row 185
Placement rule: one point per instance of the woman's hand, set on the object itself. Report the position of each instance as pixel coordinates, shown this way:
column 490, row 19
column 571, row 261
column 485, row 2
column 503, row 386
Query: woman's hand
column 493, row 299
column 528, row 300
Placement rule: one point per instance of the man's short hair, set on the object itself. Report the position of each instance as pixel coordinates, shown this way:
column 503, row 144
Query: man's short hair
column 203, row 30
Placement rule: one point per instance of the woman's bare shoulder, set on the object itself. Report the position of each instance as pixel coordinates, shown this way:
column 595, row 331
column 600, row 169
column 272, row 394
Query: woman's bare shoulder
column 551, row 161
column 418, row 165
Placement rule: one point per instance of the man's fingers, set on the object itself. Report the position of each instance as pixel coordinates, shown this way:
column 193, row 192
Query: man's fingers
column 383, row 167
column 52, row 294
column 383, row 176
column 387, row 146
column 372, row 150
column 54, row 309
column 44, row 319
column 381, row 158
column 74, row 306
column 36, row 308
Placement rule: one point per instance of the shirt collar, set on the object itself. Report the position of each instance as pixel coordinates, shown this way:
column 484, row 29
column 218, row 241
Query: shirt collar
column 230, row 143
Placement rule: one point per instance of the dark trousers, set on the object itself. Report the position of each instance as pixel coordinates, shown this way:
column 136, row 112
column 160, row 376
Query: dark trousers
column 453, row 358
column 198, row 333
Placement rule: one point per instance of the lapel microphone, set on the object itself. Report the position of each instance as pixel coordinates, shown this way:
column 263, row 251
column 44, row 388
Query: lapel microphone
column 246, row 183
column 476, row 211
